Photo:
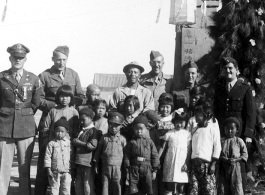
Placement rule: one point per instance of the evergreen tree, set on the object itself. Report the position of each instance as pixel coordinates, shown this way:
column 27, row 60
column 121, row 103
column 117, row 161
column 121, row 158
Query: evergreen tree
column 238, row 31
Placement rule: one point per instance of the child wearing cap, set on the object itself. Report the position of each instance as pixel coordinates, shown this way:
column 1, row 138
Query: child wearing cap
column 85, row 145
column 206, row 148
column 57, row 159
column 110, row 152
column 233, row 155
column 165, row 109
column 141, row 158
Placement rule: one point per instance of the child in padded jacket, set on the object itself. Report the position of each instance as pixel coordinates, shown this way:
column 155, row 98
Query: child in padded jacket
column 141, row 158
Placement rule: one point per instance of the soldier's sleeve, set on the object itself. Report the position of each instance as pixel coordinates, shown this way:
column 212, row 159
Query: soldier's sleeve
column 250, row 114
column 35, row 101
column 154, row 156
column 45, row 104
column 47, row 124
column 79, row 95
column 149, row 103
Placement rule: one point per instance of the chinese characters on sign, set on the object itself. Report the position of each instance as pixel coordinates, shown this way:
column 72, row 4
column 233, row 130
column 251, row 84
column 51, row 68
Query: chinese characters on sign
column 188, row 45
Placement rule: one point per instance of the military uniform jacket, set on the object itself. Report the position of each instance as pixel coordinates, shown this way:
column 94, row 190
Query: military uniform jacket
column 237, row 103
column 163, row 85
column 18, row 103
column 51, row 81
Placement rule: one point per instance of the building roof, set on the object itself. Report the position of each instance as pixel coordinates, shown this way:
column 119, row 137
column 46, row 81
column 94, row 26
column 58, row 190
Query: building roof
column 109, row 82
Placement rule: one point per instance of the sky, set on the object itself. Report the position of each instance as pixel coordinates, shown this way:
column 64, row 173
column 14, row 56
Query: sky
column 103, row 35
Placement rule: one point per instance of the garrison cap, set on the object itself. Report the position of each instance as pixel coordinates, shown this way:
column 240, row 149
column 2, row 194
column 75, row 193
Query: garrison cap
column 115, row 117
column 232, row 120
column 191, row 64
column 62, row 49
column 87, row 111
column 141, row 119
column 227, row 60
column 133, row 64
column 154, row 54
column 18, row 50
column 62, row 122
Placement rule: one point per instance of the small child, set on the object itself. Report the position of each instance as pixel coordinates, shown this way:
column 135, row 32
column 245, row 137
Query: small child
column 177, row 159
column 92, row 93
column 141, row 158
column 110, row 152
column 131, row 104
column 65, row 108
column 233, row 152
column 85, row 145
column 165, row 108
column 206, row 148
column 57, row 160
column 100, row 122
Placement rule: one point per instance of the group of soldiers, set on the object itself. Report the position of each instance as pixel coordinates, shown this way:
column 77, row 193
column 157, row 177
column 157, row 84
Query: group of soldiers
column 22, row 93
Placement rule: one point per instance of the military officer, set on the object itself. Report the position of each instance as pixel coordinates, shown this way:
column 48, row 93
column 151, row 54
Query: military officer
column 156, row 81
column 233, row 98
column 133, row 72
column 182, row 96
column 19, row 100
column 51, row 80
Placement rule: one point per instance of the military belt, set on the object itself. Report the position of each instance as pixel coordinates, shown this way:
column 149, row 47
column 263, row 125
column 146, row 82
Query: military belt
column 16, row 105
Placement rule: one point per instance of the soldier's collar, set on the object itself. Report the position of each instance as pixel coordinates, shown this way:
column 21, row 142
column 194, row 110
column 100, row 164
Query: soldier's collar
column 20, row 72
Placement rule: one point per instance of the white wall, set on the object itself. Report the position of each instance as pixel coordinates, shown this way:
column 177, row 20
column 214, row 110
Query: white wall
column 103, row 35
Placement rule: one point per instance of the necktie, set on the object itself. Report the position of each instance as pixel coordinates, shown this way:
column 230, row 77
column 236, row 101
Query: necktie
column 229, row 87
column 61, row 75
column 17, row 77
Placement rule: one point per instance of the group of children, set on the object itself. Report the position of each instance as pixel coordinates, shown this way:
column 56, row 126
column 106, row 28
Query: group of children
column 152, row 153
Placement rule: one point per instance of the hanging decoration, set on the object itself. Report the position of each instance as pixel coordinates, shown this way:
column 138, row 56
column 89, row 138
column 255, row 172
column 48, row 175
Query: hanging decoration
column 183, row 12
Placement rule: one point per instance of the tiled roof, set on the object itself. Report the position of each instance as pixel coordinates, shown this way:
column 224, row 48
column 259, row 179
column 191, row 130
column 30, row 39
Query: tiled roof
column 109, row 81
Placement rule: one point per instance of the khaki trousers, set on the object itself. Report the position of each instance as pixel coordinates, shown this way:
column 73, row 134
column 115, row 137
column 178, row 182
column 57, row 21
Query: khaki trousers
column 24, row 154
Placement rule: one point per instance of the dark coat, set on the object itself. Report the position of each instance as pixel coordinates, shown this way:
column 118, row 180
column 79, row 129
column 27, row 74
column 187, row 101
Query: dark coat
column 238, row 103
column 18, row 103
column 51, row 81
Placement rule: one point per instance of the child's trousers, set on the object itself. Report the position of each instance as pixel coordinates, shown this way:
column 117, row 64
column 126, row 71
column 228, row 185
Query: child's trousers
column 111, row 179
column 202, row 183
column 84, row 184
column 60, row 184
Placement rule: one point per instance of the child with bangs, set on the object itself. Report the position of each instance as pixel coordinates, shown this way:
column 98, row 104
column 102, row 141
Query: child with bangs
column 177, row 159
column 206, row 148
column 166, row 113
column 100, row 120
column 131, row 104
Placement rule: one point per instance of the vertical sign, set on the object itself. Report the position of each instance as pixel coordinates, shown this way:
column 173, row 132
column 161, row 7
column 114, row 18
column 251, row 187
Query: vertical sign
column 188, row 45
